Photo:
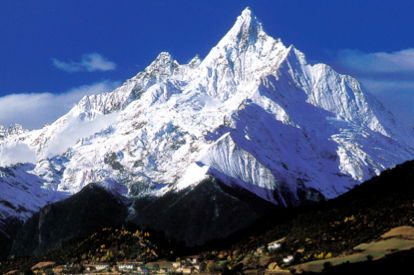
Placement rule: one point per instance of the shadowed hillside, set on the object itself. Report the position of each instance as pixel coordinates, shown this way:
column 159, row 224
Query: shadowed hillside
column 209, row 210
column 83, row 213
column 332, row 227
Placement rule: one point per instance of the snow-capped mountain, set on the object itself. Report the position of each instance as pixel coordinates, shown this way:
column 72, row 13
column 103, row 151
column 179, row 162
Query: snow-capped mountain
column 253, row 113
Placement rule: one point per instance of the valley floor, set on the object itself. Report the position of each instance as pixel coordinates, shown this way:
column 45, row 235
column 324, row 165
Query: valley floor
column 393, row 248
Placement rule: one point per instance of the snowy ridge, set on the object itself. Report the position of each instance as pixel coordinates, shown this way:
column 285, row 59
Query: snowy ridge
column 14, row 130
column 253, row 113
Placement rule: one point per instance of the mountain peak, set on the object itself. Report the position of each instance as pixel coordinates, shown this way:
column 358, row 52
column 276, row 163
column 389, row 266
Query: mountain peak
column 163, row 56
column 161, row 68
column 247, row 12
column 163, row 60
column 194, row 62
column 246, row 31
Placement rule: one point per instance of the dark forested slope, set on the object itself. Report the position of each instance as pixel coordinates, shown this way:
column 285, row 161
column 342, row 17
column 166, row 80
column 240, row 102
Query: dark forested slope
column 83, row 213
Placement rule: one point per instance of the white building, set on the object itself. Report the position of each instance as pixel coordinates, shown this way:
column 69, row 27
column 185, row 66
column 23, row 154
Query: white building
column 101, row 266
column 288, row 259
column 126, row 266
column 192, row 259
column 274, row 246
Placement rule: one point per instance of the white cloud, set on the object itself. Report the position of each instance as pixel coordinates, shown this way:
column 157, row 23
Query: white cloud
column 75, row 130
column 34, row 110
column 380, row 62
column 17, row 153
column 91, row 62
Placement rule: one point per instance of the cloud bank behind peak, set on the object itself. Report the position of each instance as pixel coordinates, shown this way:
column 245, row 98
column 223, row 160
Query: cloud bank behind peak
column 34, row 110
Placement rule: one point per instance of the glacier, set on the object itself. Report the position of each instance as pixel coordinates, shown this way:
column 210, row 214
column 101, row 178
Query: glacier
column 253, row 113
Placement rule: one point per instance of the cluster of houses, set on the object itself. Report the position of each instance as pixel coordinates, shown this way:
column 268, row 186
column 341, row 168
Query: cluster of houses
column 275, row 245
column 188, row 265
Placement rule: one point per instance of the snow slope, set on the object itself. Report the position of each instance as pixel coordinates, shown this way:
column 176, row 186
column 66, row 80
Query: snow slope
column 253, row 113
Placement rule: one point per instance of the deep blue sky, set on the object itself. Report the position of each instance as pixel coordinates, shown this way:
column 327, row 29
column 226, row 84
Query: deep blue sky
column 354, row 37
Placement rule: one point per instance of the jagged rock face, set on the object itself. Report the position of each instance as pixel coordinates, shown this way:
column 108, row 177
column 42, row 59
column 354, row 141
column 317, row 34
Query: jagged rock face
column 253, row 113
column 14, row 130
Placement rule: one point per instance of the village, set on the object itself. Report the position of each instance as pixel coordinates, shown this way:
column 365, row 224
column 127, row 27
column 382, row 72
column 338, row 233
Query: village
column 185, row 265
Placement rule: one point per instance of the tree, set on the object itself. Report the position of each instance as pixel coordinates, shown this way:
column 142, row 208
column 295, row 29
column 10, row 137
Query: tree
column 28, row 272
column 203, row 266
column 210, row 266
column 327, row 265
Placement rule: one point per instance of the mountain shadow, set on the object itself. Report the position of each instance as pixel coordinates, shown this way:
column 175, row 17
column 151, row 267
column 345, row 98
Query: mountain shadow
column 83, row 213
column 9, row 228
column 205, row 212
